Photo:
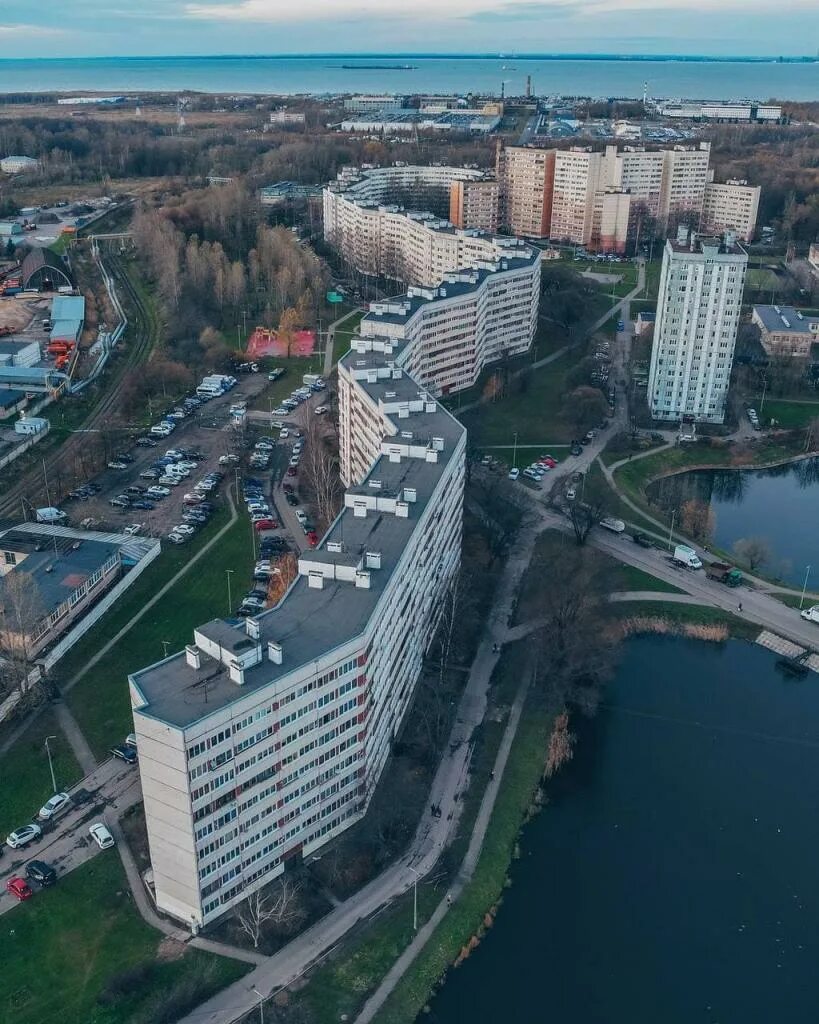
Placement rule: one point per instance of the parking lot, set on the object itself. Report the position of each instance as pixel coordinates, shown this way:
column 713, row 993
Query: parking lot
column 65, row 842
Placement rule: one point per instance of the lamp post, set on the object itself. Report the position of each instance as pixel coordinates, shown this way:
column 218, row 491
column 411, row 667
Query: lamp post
column 261, row 1003
column 229, row 573
column 804, row 588
column 414, row 898
column 671, row 531
column 165, row 645
column 515, row 450
column 50, row 762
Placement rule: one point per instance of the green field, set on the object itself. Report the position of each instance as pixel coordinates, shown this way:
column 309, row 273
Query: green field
column 344, row 332
column 276, row 391
column 100, row 700
column 790, row 414
column 61, row 950
column 531, row 407
column 25, row 776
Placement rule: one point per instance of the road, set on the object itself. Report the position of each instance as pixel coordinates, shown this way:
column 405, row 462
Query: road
column 757, row 607
column 431, row 837
column 112, row 788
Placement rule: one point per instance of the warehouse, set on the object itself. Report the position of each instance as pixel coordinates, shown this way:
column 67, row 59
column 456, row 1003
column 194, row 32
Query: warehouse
column 43, row 271
column 15, row 351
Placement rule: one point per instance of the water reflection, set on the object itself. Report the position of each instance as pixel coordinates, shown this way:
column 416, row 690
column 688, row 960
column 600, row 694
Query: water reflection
column 780, row 505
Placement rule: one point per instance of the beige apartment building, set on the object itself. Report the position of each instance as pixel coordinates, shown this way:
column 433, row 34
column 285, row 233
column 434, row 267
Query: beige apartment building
column 475, row 204
column 732, row 206
column 526, row 178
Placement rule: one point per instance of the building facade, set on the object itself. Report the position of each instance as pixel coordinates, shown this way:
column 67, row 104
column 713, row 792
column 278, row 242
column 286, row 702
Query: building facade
column 526, row 178
column 731, row 206
column 698, row 309
column 261, row 742
column 786, row 331
column 475, row 204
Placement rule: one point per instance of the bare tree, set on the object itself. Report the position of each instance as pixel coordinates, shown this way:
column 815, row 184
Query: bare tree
column 278, row 904
column 321, row 470
column 753, row 551
column 584, row 516
column 561, row 745
column 697, row 519
column 21, row 610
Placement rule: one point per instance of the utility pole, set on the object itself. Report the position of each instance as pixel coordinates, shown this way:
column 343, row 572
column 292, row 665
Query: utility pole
column 229, row 573
column 414, row 898
column 50, row 762
column 515, row 450
column 671, row 531
column 804, row 588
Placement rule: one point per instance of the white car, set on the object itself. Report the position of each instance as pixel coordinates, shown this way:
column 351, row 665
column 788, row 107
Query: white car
column 301, row 515
column 320, row 410
column 156, row 489
column 297, row 447
column 186, row 531
column 21, row 837
column 101, row 836
column 514, row 473
column 615, row 525
column 54, row 806
column 170, row 481
column 133, row 529
column 294, row 460
column 177, row 538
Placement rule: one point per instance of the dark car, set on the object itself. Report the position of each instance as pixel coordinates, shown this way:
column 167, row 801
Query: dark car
column 576, row 449
column 643, row 540
column 147, row 505
column 125, row 753
column 39, row 871
column 291, row 499
column 146, row 442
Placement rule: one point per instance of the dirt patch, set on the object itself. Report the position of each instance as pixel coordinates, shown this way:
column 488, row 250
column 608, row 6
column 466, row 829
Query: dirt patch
column 17, row 314
column 169, row 950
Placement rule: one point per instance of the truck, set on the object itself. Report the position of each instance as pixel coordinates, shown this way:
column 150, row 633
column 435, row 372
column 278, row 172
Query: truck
column 686, row 556
column 811, row 614
column 724, row 573
column 311, row 378
column 50, row 515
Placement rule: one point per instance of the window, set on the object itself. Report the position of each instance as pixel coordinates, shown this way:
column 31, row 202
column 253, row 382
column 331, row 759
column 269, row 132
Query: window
column 10, row 558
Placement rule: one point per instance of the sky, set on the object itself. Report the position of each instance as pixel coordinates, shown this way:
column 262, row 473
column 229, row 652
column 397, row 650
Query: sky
column 166, row 27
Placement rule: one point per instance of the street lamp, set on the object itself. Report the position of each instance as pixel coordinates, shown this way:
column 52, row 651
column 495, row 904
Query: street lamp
column 804, row 587
column 414, row 898
column 671, row 531
column 515, row 450
column 50, row 762
column 261, row 1003
column 229, row 573
column 165, row 645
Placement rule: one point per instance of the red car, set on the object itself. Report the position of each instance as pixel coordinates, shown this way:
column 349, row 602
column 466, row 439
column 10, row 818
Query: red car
column 291, row 470
column 312, row 538
column 548, row 460
column 19, row 889
column 267, row 524
column 288, row 488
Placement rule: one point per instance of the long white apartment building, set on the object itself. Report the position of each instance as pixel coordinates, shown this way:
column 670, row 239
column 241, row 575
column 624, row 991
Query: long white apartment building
column 695, row 332
column 732, row 206
column 412, row 247
column 263, row 740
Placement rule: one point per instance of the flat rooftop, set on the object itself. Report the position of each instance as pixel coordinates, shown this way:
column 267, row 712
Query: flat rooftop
column 310, row 622
column 787, row 318
column 56, row 567
column 706, row 244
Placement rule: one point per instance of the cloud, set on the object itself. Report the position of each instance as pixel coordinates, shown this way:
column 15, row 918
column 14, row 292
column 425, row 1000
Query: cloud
column 283, row 11
column 32, row 30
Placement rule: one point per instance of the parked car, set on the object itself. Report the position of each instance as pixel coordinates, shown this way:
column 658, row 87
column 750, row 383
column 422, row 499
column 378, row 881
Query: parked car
column 122, row 501
column 177, row 538
column 291, row 471
column 643, row 540
column 150, row 474
column 320, row 410
column 54, row 806
column 312, row 538
column 19, row 888
column 514, row 473
column 158, row 489
column 301, row 515
column 21, row 837
column 101, row 836
column 291, row 499
column 266, row 524
column 571, row 493
column 615, row 525
column 125, row 753
column 116, row 464
column 40, row 872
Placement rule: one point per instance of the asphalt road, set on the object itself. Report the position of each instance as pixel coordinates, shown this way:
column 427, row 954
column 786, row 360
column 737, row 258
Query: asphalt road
column 113, row 786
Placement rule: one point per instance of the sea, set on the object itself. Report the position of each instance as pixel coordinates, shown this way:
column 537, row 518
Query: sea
column 613, row 76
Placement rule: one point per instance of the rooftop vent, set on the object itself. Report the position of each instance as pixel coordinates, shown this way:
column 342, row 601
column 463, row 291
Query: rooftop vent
column 375, row 484
column 372, row 560
column 274, row 652
column 406, row 435
column 335, row 546
column 193, row 657
column 315, row 580
column 389, row 394
column 252, row 628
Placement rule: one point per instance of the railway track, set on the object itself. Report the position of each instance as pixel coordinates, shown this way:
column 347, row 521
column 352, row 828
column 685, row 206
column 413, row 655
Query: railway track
column 140, row 337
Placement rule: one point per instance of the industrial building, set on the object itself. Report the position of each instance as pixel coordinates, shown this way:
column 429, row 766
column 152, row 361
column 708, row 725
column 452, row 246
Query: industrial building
column 373, row 104
column 698, row 309
column 44, row 271
column 265, row 739
column 786, row 331
column 405, row 121
column 721, row 110
column 67, row 318
column 50, row 575
column 18, row 164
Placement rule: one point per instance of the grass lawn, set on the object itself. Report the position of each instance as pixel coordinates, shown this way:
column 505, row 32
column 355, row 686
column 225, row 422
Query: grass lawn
column 629, row 577
column 25, row 774
column 791, row 414
column 100, row 700
column 276, row 391
column 531, row 407
column 597, row 490
column 63, row 947
column 344, row 332
column 793, row 600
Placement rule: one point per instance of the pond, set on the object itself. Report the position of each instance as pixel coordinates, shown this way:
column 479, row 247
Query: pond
column 672, row 877
column 779, row 505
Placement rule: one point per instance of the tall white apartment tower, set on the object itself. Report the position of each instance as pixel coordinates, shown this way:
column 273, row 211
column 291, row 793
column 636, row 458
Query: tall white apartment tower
column 695, row 332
